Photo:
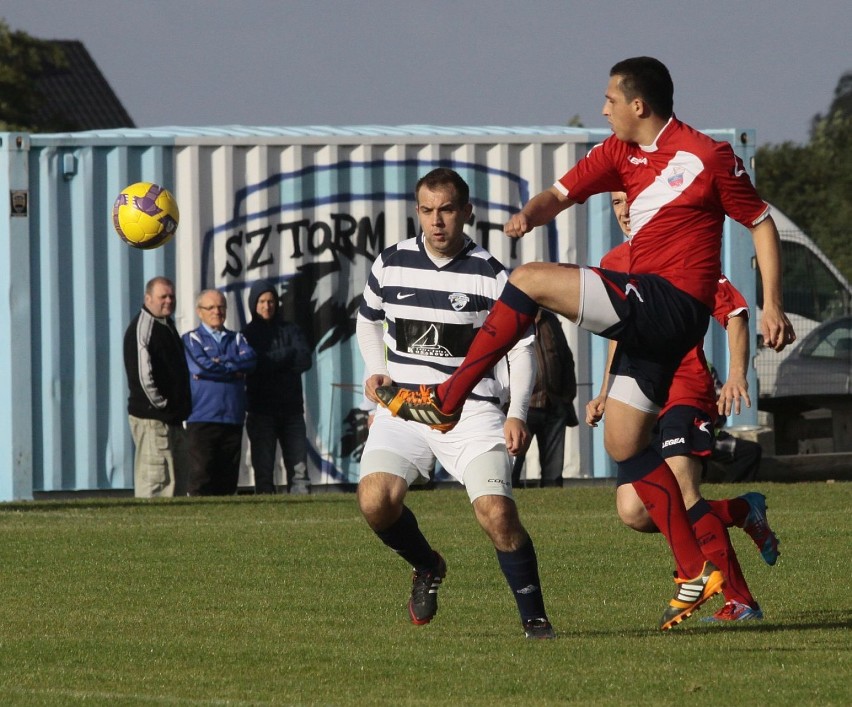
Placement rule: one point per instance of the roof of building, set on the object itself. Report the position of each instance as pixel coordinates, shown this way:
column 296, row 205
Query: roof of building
column 78, row 95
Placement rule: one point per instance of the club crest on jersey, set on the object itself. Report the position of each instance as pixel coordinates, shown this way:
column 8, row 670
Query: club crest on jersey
column 458, row 300
column 676, row 180
column 427, row 345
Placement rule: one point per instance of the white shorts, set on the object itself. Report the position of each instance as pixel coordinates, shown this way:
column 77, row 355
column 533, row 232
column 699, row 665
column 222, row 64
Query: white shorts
column 473, row 452
column 596, row 314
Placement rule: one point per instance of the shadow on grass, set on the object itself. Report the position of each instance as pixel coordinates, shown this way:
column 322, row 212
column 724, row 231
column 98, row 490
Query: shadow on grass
column 43, row 506
column 840, row 619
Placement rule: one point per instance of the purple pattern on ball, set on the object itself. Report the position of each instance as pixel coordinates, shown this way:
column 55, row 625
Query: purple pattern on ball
column 146, row 204
column 169, row 224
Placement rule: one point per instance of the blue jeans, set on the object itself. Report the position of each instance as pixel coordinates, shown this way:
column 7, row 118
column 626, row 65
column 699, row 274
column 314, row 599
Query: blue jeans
column 267, row 431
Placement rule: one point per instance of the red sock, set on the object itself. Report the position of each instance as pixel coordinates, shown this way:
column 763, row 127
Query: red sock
column 503, row 328
column 660, row 493
column 716, row 547
column 731, row 511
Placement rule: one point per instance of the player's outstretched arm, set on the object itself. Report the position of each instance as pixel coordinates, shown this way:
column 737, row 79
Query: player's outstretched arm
column 735, row 390
column 774, row 325
column 596, row 407
column 539, row 210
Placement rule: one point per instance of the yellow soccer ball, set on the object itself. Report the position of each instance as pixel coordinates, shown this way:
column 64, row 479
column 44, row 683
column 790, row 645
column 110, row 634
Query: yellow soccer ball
column 145, row 215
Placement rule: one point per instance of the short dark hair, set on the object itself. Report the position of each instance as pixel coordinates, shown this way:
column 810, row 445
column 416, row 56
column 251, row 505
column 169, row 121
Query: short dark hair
column 442, row 177
column 646, row 78
column 157, row 280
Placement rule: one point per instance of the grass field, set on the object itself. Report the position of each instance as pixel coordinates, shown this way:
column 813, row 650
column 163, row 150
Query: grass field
column 256, row 600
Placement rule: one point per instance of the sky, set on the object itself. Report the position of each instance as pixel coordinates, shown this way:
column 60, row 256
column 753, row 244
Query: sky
column 770, row 65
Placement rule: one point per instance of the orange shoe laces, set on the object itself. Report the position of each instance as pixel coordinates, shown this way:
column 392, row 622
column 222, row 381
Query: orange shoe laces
column 424, row 395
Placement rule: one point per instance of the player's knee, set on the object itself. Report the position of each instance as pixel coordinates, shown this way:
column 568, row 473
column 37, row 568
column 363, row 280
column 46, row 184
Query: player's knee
column 638, row 520
column 536, row 279
column 632, row 511
column 379, row 505
column 522, row 274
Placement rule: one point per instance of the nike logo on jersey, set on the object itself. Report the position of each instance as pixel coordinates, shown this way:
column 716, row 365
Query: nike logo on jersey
column 400, row 295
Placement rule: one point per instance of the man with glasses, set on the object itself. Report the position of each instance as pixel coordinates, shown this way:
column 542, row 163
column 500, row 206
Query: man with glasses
column 218, row 360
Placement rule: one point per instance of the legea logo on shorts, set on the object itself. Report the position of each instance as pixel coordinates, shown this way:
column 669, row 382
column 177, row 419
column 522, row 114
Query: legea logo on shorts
column 676, row 440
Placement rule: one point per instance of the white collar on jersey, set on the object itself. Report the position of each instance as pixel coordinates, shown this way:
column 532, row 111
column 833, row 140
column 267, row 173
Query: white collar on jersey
column 653, row 146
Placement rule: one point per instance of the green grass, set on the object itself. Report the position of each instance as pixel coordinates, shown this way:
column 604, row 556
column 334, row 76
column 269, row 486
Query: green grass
column 253, row 601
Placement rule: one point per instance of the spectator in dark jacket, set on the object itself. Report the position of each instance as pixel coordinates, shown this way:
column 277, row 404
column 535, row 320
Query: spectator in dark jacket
column 219, row 360
column 276, row 413
column 552, row 400
column 159, row 400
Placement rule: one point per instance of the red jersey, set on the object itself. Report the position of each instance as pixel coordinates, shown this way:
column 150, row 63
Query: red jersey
column 679, row 191
column 692, row 383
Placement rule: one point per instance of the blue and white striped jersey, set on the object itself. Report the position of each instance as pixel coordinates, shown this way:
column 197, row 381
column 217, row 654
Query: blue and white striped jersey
column 432, row 313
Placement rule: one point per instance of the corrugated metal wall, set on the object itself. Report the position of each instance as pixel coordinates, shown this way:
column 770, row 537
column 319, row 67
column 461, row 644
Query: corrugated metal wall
column 309, row 209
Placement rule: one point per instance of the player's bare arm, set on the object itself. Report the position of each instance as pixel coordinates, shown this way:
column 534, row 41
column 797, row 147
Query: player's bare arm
column 735, row 390
column 774, row 325
column 596, row 407
column 539, row 210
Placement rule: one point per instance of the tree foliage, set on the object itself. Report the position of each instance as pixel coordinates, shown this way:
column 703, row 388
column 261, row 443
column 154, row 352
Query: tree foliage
column 812, row 183
column 23, row 60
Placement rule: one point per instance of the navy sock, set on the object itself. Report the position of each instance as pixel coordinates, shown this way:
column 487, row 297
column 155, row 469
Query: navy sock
column 698, row 511
column 520, row 567
column 405, row 539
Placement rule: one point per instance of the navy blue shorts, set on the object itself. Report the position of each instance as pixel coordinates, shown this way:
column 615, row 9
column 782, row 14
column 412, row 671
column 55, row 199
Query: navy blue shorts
column 684, row 431
column 657, row 325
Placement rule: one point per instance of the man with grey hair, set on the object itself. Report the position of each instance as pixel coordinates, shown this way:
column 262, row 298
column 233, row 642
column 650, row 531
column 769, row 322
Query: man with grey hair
column 159, row 396
column 218, row 361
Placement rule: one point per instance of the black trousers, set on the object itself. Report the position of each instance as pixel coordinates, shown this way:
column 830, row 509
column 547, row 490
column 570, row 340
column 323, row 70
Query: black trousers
column 214, row 458
column 548, row 426
column 736, row 460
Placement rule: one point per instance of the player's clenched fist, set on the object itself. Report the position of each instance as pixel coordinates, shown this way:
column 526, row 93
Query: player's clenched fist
column 517, row 226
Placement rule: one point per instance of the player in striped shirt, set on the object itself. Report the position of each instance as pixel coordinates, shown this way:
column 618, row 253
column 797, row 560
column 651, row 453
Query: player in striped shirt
column 424, row 301
column 680, row 185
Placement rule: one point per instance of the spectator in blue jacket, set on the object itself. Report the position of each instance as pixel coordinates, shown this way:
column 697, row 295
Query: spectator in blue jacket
column 219, row 360
column 276, row 411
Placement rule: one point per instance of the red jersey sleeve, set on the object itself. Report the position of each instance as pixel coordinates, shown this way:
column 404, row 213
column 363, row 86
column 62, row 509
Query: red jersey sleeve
column 594, row 174
column 737, row 194
column 729, row 302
